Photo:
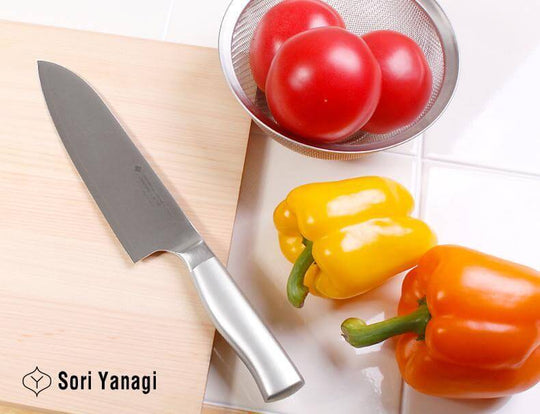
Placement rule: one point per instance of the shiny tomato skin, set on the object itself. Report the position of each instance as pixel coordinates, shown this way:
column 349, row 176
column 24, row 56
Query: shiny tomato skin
column 323, row 85
column 406, row 80
column 281, row 22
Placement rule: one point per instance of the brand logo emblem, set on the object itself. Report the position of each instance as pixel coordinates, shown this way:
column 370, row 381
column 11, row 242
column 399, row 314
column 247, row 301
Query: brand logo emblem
column 37, row 381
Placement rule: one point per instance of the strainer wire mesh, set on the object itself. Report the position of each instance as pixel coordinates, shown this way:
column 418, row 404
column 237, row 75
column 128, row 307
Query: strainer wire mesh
column 360, row 16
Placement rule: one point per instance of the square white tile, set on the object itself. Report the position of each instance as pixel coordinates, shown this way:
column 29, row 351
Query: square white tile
column 196, row 25
column 497, row 214
column 138, row 18
column 492, row 212
column 492, row 119
column 336, row 374
column 409, row 148
column 524, row 403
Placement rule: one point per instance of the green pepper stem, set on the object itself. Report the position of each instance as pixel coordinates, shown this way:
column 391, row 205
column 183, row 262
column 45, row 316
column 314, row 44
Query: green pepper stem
column 296, row 290
column 359, row 334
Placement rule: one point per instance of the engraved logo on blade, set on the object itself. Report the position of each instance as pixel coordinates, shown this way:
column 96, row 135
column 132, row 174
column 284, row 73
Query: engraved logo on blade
column 149, row 192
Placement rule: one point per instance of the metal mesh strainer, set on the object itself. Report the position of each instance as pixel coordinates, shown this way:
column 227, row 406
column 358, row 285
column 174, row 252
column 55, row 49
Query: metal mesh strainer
column 422, row 20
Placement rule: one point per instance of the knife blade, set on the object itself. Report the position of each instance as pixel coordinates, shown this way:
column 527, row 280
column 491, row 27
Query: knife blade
column 145, row 218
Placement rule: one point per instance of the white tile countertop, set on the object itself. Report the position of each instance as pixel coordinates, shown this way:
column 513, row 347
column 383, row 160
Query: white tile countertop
column 475, row 176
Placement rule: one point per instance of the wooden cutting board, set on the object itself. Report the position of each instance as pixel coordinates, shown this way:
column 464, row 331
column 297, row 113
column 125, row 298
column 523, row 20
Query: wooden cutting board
column 70, row 298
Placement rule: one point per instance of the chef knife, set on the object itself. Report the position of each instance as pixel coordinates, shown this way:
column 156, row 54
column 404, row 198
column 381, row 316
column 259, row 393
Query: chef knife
column 146, row 219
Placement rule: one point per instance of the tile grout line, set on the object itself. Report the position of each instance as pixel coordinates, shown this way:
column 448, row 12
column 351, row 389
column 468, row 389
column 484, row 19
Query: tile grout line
column 168, row 20
column 417, row 190
column 484, row 168
column 418, row 178
column 237, row 407
column 470, row 166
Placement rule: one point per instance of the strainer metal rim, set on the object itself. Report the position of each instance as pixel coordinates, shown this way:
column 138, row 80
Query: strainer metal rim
column 448, row 86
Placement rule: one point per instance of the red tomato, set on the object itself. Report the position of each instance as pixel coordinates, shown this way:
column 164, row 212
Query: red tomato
column 323, row 84
column 406, row 80
column 282, row 22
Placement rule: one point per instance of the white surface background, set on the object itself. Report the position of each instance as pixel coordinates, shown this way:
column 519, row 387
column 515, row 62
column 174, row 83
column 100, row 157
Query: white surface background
column 475, row 176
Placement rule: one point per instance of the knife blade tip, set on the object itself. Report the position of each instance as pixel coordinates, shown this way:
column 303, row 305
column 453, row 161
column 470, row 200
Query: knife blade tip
column 44, row 65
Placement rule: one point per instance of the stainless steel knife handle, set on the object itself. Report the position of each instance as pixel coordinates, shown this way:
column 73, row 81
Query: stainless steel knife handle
column 235, row 319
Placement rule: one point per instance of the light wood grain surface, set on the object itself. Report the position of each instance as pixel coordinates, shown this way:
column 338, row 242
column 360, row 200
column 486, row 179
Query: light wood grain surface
column 206, row 409
column 70, row 298
column 211, row 409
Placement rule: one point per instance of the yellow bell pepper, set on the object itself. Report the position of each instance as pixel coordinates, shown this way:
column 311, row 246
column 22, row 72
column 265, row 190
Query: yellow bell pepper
column 348, row 237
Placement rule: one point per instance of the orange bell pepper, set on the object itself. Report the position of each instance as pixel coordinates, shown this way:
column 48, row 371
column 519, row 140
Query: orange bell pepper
column 469, row 325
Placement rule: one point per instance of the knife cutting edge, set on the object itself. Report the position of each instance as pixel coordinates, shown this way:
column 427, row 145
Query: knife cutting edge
column 146, row 219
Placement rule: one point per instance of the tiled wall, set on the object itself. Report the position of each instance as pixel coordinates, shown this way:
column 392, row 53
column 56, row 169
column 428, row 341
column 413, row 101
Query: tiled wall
column 475, row 175
column 182, row 21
